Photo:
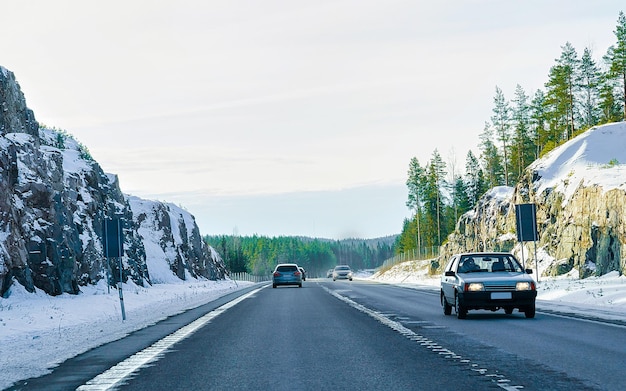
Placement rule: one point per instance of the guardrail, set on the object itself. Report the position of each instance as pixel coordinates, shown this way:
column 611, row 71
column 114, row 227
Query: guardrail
column 244, row 276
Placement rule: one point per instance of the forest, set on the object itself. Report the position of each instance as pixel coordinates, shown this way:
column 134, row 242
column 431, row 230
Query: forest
column 580, row 92
column 258, row 255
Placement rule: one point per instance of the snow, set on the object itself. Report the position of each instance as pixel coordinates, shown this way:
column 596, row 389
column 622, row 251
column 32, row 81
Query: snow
column 596, row 157
column 42, row 331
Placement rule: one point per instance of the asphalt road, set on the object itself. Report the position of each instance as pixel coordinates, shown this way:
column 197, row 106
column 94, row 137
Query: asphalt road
column 351, row 336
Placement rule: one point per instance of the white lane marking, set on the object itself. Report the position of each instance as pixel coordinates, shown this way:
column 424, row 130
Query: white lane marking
column 502, row 382
column 114, row 376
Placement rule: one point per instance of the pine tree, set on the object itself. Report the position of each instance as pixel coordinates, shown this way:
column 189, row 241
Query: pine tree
column 474, row 179
column 539, row 130
column 492, row 162
column 617, row 58
column 434, row 205
column 560, row 94
column 501, row 123
column 415, row 183
column 460, row 195
column 522, row 150
column 588, row 81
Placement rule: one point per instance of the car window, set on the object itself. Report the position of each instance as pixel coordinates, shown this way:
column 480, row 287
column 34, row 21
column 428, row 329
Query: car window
column 286, row 269
column 485, row 263
column 451, row 262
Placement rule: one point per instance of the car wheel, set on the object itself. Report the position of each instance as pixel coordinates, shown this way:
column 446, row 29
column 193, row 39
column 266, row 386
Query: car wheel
column 351, row 279
column 447, row 308
column 273, row 285
column 461, row 311
column 530, row 311
column 334, row 279
column 508, row 310
column 299, row 285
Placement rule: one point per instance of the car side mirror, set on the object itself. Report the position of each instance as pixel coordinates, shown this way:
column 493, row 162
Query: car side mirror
column 450, row 273
column 529, row 271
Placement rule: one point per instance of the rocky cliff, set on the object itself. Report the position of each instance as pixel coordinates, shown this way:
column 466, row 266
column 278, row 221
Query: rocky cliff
column 579, row 189
column 54, row 199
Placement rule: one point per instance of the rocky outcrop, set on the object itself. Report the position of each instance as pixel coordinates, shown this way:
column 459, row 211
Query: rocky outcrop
column 172, row 238
column 580, row 196
column 54, row 199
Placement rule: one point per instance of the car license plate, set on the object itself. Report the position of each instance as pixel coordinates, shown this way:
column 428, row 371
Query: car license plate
column 501, row 296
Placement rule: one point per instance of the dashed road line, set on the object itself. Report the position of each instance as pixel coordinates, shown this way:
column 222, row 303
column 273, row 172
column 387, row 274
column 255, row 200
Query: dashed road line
column 491, row 375
column 116, row 375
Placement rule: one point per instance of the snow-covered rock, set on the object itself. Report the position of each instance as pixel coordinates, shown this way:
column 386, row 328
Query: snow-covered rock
column 54, row 199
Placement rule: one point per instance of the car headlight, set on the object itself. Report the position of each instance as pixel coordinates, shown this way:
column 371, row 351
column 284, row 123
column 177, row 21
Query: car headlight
column 524, row 286
column 474, row 287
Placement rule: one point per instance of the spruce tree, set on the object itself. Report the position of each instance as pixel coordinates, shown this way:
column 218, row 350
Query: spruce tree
column 588, row 81
column 415, row 183
column 538, row 119
column 501, row 121
column 617, row 58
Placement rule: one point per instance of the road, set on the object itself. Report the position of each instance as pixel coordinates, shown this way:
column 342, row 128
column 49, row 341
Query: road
column 350, row 336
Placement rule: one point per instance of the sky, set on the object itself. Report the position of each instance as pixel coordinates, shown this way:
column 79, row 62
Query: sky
column 285, row 117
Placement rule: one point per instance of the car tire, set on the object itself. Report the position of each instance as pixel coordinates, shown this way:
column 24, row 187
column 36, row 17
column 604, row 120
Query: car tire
column 299, row 285
column 447, row 308
column 530, row 311
column 508, row 310
column 273, row 285
column 351, row 279
column 461, row 311
column 334, row 279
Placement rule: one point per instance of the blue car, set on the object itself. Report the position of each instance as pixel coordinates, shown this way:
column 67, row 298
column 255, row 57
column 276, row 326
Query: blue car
column 287, row 274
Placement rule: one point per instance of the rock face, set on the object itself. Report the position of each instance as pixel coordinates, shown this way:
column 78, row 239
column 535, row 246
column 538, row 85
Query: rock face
column 53, row 201
column 172, row 238
column 580, row 193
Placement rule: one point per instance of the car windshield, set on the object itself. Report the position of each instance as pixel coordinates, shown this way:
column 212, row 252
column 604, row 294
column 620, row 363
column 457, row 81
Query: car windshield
column 342, row 268
column 492, row 263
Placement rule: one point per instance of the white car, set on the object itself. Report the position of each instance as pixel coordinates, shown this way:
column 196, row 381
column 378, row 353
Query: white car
column 342, row 272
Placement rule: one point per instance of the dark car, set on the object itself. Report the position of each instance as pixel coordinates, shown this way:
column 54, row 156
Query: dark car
column 303, row 273
column 488, row 281
column 342, row 272
column 287, row 274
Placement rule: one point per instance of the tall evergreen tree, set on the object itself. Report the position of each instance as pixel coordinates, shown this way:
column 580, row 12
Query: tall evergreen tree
column 560, row 94
column 501, row 121
column 434, row 204
column 522, row 149
column 475, row 185
column 588, row 81
column 415, row 183
column 539, row 129
column 617, row 58
column 492, row 161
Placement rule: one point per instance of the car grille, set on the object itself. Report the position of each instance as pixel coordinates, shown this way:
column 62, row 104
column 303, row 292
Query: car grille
column 500, row 286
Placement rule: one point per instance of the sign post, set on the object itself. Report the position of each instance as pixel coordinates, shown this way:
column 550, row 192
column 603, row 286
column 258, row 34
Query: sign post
column 526, row 224
column 114, row 248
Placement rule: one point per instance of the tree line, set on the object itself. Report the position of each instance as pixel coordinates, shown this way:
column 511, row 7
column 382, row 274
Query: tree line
column 580, row 93
column 259, row 255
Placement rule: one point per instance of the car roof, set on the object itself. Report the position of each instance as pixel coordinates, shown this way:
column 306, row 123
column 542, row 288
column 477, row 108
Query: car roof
column 287, row 264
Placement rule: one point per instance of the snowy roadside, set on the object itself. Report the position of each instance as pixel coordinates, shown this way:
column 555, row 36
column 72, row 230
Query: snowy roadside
column 38, row 331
